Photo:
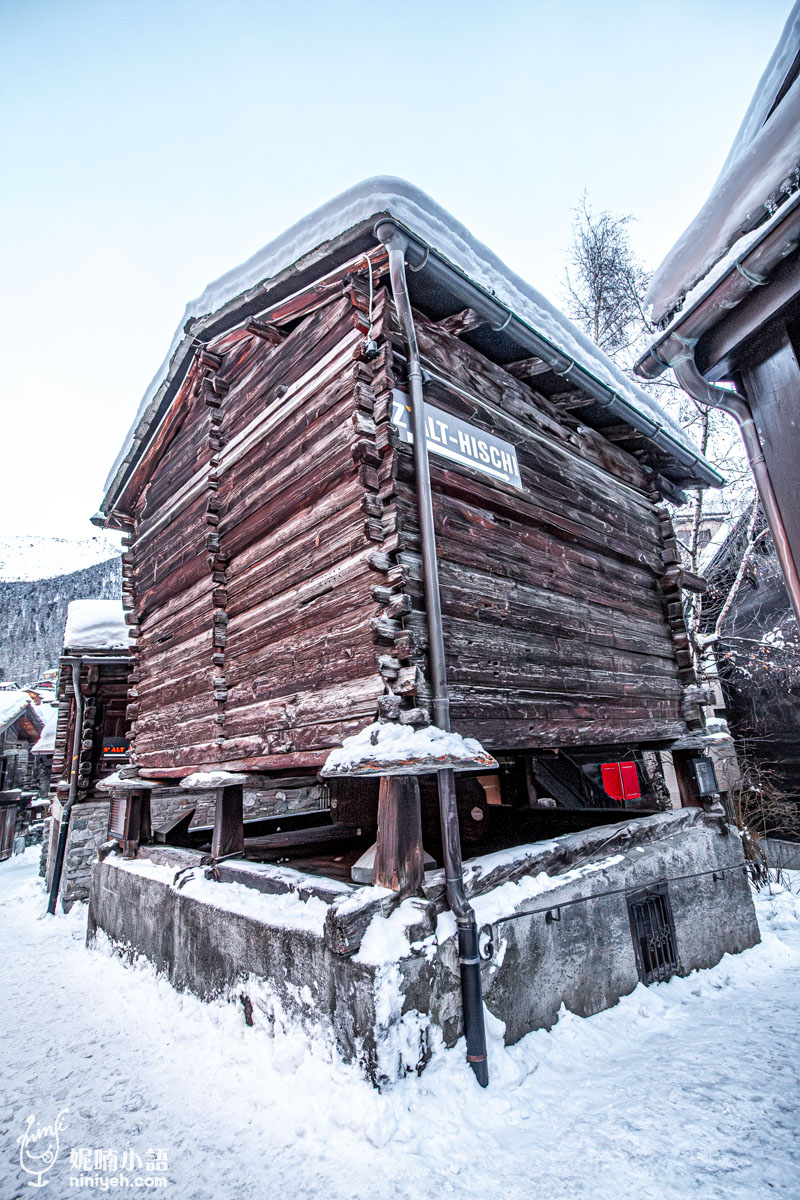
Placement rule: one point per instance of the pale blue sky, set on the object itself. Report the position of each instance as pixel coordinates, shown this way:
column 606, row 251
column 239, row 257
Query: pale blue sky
column 149, row 147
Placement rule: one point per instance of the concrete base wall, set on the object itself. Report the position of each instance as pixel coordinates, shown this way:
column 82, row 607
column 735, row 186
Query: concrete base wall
column 781, row 854
column 384, row 1014
column 214, row 952
column 584, row 955
column 89, row 824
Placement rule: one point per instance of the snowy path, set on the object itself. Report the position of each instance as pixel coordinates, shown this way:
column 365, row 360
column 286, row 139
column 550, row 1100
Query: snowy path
column 688, row 1089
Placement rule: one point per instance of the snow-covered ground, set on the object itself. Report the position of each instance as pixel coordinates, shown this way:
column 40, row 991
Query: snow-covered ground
column 687, row 1089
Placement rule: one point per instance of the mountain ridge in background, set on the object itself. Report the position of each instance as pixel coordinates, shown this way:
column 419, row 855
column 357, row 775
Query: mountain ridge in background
column 25, row 557
column 39, row 576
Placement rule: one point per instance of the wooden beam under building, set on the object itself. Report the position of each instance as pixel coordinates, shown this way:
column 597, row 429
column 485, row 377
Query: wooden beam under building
column 399, row 857
column 228, row 835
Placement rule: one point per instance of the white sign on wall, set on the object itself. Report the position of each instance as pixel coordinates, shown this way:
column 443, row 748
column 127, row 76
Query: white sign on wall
column 452, row 438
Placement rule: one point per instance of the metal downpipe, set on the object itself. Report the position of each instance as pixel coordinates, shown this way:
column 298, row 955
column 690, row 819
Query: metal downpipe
column 692, row 382
column 63, row 828
column 468, row 956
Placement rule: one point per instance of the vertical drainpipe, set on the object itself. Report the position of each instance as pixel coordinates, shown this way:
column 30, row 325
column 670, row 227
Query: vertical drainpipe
column 63, row 828
column 468, row 955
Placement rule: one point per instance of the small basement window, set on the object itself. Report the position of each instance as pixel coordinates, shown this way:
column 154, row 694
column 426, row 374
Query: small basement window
column 653, row 933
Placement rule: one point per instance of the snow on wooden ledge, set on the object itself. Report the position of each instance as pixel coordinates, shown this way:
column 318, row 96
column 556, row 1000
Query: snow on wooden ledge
column 117, row 782
column 385, row 748
column 212, row 779
column 96, row 625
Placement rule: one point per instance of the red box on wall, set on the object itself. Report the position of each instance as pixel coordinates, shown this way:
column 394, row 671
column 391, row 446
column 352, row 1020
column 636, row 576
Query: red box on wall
column 621, row 781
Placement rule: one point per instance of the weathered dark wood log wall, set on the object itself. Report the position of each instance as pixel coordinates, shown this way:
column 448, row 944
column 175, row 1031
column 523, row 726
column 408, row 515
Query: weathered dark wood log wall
column 272, row 572
column 104, row 687
column 255, row 521
column 555, row 618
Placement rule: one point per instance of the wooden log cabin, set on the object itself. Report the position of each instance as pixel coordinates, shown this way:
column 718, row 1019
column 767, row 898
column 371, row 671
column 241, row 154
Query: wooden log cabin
column 95, row 655
column 20, row 727
column 89, row 741
column 272, row 568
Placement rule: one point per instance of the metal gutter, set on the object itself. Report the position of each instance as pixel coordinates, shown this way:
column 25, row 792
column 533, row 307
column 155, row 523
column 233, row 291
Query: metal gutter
column 692, row 382
column 77, row 662
column 96, row 660
column 500, row 317
column 749, row 271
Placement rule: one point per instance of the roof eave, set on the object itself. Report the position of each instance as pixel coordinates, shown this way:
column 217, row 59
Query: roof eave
column 744, row 271
column 504, row 319
column 692, row 468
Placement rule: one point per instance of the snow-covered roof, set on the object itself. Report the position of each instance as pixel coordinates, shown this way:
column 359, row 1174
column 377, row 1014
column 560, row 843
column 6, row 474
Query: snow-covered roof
column 761, row 170
column 16, row 704
column 96, row 625
column 359, row 208
column 47, row 739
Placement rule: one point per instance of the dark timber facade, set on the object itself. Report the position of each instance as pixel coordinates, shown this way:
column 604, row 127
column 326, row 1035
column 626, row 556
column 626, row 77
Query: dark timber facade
column 272, row 570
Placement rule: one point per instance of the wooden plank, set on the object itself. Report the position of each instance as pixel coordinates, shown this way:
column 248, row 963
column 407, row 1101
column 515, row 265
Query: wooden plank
column 228, row 835
column 399, row 858
column 328, row 837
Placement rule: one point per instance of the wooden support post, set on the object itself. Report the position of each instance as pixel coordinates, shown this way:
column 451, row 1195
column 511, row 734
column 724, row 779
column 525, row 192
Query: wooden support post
column 145, row 823
column 228, row 836
column 399, row 859
column 136, row 822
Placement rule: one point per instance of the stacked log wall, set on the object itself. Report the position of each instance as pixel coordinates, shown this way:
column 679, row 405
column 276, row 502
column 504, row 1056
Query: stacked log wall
column 273, row 576
column 167, row 586
column 256, row 522
column 297, row 534
column 556, row 625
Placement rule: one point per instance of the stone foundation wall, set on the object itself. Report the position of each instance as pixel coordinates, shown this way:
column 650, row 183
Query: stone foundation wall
column 276, row 798
column 45, row 854
column 571, row 943
column 34, row 834
column 88, row 829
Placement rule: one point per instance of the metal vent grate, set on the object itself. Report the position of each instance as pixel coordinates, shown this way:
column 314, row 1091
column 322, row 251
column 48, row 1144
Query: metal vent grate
column 116, row 821
column 653, row 933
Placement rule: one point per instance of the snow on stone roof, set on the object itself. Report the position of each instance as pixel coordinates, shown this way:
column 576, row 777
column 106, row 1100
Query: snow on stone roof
column 762, row 169
column 96, row 625
column 361, row 206
column 47, row 739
